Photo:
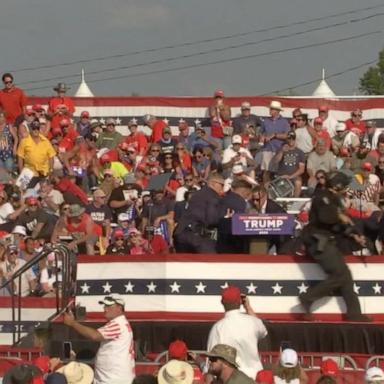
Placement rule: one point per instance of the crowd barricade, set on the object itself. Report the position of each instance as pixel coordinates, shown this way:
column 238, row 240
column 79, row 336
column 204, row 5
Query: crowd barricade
column 26, row 354
column 375, row 361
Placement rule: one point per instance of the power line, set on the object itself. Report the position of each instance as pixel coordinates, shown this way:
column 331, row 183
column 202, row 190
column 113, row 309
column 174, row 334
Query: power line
column 239, row 58
column 206, row 52
column 336, row 74
column 203, row 41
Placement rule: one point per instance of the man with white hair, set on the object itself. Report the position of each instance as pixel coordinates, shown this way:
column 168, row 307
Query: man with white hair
column 156, row 126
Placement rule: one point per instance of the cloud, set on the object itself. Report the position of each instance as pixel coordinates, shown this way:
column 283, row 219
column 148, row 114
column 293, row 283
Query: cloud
column 141, row 15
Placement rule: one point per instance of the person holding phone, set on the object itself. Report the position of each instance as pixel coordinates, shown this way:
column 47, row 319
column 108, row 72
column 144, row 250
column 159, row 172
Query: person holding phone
column 239, row 330
column 115, row 359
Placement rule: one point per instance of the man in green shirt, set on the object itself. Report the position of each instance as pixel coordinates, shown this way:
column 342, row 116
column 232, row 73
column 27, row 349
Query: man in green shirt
column 222, row 364
column 109, row 138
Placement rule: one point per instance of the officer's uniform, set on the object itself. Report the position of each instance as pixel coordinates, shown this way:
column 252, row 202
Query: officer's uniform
column 226, row 242
column 320, row 239
column 195, row 232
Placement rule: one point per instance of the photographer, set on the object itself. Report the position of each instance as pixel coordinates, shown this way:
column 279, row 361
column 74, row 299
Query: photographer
column 239, row 330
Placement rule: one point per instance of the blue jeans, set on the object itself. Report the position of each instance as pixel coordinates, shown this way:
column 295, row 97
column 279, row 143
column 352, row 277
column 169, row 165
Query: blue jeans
column 8, row 164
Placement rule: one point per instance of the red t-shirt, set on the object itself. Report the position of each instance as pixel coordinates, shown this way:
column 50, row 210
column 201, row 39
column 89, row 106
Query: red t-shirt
column 13, row 101
column 157, row 130
column 138, row 141
column 65, row 185
column 360, row 126
column 323, row 135
column 158, row 244
column 55, row 101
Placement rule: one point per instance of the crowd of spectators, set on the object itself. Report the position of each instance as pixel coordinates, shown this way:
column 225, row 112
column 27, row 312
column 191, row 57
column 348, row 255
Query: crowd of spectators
column 83, row 182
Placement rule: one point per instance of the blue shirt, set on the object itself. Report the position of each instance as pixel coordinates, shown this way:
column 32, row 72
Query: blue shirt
column 271, row 126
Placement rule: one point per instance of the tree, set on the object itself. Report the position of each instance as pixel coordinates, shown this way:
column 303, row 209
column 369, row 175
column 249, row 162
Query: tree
column 372, row 82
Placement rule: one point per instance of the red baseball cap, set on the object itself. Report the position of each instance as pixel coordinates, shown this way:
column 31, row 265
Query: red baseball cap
column 231, row 294
column 65, row 122
column 324, row 108
column 264, row 376
column 38, row 107
column 105, row 158
column 29, row 111
column 31, row 201
column 178, row 350
column 124, row 146
column 367, row 166
column 318, row 120
column 56, row 131
column 329, row 367
column 84, row 114
column 118, row 233
column 218, row 93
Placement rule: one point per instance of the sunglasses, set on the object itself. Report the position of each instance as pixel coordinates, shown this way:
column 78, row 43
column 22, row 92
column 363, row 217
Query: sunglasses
column 356, row 115
column 155, row 150
column 381, row 162
column 65, row 208
column 320, row 177
column 32, row 205
column 131, row 152
column 13, row 253
column 168, row 157
column 179, row 148
column 299, row 119
column 188, row 179
column 8, row 82
column 119, row 238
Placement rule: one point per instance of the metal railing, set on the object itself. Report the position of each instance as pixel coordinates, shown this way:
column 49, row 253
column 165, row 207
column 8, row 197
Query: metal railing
column 64, row 260
column 375, row 361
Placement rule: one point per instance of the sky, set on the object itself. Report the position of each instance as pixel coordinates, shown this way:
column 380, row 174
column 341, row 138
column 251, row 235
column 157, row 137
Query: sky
column 48, row 33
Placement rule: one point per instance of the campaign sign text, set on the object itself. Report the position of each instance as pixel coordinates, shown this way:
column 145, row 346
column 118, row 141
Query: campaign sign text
column 263, row 224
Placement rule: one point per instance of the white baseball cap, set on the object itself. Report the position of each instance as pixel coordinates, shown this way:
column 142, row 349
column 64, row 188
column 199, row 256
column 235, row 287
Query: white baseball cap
column 113, row 298
column 19, row 230
column 236, row 139
column 374, row 374
column 288, row 358
column 123, row 217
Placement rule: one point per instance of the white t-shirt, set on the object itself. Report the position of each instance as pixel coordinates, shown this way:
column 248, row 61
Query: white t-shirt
column 5, row 210
column 26, row 277
column 243, row 332
column 115, row 359
column 304, row 140
column 229, row 153
column 330, row 124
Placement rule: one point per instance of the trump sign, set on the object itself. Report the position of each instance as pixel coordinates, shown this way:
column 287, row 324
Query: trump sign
column 263, row 224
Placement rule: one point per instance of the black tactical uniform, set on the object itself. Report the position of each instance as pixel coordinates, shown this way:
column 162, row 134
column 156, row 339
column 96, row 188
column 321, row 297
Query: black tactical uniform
column 320, row 239
column 196, row 229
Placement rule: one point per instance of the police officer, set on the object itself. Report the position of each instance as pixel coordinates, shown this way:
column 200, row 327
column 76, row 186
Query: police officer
column 196, row 229
column 235, row 201
column 327, row 221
